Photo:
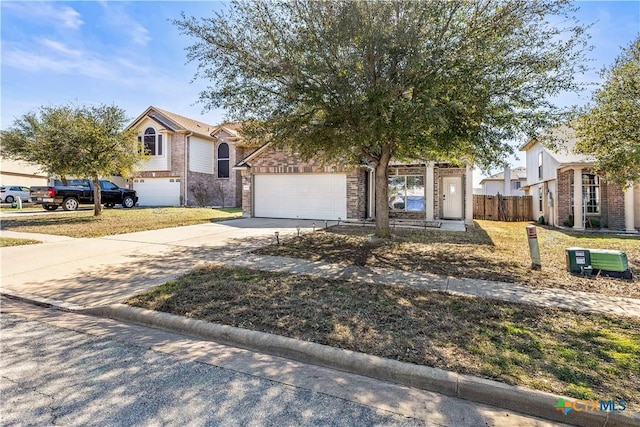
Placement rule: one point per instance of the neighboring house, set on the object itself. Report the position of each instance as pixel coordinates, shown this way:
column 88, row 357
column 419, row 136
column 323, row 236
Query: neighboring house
column 15, row 172
column 278, row 183
column 511, row 186
column 189, row 162
column 567, row 192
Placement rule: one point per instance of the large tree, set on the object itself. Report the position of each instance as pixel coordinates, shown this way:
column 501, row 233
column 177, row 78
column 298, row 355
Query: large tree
column 85, row 142
column 609, row 129
column 368, row 81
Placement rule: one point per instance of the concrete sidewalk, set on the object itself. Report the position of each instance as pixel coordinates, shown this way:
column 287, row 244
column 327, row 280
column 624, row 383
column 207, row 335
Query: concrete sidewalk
column 550, row 297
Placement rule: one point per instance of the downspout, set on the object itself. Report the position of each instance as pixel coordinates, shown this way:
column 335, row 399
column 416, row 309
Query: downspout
column 186, row 167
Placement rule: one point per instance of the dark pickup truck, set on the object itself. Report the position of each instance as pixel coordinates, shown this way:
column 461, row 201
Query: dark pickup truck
column 80, row 191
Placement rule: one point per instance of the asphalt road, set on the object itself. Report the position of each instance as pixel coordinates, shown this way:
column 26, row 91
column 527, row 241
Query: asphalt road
column 63, row 368
column 52, row 375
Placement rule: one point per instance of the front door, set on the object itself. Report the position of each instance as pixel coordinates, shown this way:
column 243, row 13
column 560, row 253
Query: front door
column 452, row 197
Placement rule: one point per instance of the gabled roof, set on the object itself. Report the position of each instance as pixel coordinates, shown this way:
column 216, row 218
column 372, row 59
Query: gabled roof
column 244, row 163
column 516, row 174
column 175, row 122
column 567, row 139
column 230, row 129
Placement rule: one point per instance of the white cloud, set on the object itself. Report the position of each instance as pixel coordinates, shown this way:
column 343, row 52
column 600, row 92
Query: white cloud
column 57, row 58
column 61, row 16
column 31, row 61
column 59, row 47
column 117, row 17
column 139, row 34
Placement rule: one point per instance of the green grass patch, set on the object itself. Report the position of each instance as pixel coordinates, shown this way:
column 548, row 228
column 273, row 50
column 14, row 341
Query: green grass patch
column 116, row 221
column 547, row 349
column 9, row 241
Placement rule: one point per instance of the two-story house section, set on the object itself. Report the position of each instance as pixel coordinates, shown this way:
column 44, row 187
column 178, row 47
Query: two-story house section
column 567, row 191
column 187, row 161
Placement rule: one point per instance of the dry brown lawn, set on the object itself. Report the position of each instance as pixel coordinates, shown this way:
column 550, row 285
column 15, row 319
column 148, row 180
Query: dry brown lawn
column 495, row 251
column 575, row 354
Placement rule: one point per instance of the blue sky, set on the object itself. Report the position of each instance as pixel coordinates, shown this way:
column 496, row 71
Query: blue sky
column 130, row 55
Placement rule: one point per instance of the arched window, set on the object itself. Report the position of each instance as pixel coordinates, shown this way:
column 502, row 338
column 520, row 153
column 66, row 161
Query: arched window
column 152, row 142
column 223, row 160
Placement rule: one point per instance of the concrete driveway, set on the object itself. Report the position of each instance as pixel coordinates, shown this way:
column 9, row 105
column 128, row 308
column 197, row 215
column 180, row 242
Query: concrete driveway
column 93, row 272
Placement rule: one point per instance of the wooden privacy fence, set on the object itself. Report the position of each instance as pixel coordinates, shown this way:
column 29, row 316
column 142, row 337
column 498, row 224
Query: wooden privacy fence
column 502, row 208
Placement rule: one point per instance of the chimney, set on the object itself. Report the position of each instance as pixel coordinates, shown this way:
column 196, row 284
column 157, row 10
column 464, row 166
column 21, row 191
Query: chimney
column 507, row 181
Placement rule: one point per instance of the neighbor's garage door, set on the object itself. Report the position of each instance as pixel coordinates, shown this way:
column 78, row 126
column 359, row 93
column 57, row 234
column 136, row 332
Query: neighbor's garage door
column 157, row 191
column 304, row 196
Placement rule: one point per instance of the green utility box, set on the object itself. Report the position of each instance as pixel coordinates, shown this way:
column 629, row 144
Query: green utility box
column 610, row 263
column 591, row 262
column 578, row 261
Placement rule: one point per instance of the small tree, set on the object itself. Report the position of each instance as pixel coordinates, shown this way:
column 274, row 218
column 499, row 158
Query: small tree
column 87, row 142
column 610, row 128
column 368, row 81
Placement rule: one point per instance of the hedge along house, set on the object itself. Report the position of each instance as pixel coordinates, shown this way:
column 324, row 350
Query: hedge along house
column 278, row 183
column 188, row 163
column 566, row 191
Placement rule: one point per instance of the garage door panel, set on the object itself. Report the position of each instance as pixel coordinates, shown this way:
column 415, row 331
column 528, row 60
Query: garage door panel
column 308, row 196
column 158, row 191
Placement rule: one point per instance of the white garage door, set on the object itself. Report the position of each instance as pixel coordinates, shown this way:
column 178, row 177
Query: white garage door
column 157, row 191
column 304, row 196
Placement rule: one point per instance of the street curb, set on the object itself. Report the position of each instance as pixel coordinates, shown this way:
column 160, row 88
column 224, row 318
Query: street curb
column 520, row 399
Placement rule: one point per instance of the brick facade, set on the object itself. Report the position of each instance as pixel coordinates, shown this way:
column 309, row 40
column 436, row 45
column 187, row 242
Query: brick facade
column 225, row 192
column 612, row 206
column 563, row 198
column 440, row 172
column 202, row 188
column 282, row 161
column 611, row 202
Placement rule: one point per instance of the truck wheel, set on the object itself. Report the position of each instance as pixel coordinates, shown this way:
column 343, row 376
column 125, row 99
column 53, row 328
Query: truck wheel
column 70, row 204
column 9, row 199
column 50, row 207
column 128, row 202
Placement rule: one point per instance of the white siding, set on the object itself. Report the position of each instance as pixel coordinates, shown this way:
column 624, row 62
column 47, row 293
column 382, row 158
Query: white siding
column 156, row 163
column 14, row 172
column 636, row 203
column 491, row 188
column 201, row 155
column 549, row 165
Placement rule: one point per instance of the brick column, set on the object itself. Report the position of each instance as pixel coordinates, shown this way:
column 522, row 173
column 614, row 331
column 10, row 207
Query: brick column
column 629, row 216
column 578, row 219
column 468, row 196
column 430, row 192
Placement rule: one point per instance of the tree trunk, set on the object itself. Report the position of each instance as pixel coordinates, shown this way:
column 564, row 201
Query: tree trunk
column 382, row 189
column 97, row 197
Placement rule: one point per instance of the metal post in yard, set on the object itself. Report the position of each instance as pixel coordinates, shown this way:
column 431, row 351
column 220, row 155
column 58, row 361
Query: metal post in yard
column 534, row 249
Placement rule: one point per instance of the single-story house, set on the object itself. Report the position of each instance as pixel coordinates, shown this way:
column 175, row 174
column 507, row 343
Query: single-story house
column 279, row 183
column 508, row 182
column 568, row 192
column 189, row 161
